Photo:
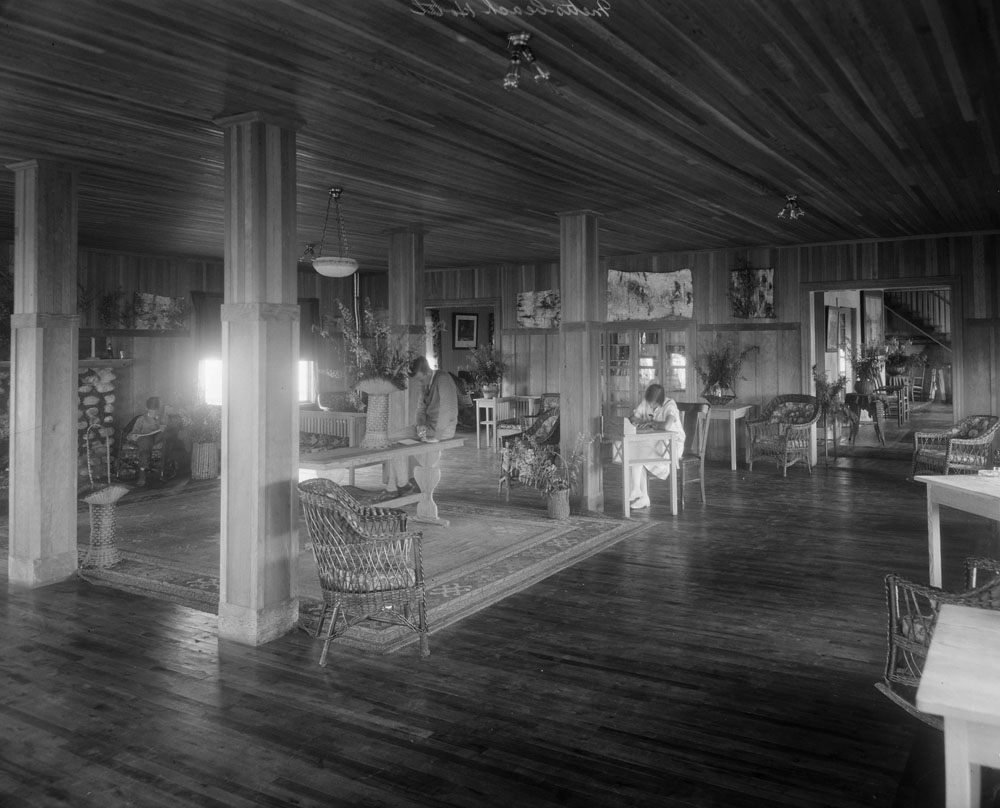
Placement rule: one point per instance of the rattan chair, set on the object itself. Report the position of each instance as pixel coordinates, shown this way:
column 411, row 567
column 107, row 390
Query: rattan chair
column 964, row 449
column 783, row 431
column 369, row 565
column 912, row 612
column 691, row 465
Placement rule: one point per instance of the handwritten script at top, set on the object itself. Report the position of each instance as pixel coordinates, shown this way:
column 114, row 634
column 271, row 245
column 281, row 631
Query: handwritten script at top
column 531, row 8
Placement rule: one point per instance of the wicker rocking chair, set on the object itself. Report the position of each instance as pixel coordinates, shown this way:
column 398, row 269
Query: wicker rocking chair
column 783, row 431
column 964, row 449
column 912, row 612
column 369, row 565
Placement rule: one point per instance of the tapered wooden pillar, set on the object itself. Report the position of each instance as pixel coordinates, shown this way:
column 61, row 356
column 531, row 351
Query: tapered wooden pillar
column 583, row 288
column 44, row 338
column 260, row 335
column 406, row 309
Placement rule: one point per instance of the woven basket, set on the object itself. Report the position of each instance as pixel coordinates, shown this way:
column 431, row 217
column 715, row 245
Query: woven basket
column 204, row 461
column 377, row 422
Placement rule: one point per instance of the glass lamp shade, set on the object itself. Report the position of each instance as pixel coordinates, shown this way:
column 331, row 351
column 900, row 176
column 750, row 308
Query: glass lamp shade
column 335, row 266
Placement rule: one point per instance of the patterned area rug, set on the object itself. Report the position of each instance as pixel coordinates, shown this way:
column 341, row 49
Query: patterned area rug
column 170, row 550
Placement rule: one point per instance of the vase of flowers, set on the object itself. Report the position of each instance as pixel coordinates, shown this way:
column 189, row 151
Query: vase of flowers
column 486, row 363
column 720, row 368
column 868, row 362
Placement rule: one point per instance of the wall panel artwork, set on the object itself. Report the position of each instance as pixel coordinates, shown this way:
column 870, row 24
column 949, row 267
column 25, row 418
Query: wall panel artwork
column 649, row 295
column 539, row 309
column 751, row 292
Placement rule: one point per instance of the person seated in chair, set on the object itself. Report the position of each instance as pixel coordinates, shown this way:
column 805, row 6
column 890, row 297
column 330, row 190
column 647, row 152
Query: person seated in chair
column 147, row 432
column 466, row 406
column 437, row 416
column 655, row 413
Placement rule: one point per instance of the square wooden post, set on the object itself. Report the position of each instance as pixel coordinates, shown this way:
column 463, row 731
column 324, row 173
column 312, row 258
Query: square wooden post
column 44, row 338
column 260, row 344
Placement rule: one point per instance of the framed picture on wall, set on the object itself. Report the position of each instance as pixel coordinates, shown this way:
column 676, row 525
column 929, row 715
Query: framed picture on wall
column 464, row 329
column 832, row 328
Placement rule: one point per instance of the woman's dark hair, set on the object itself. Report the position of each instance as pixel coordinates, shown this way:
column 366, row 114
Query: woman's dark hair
column 153, row 403
column 655, row 394
column 419, row 365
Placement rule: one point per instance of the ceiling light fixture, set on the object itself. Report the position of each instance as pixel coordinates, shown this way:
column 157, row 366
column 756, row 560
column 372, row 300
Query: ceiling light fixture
column 791, row 209
column 521, row 56
column 331, row 266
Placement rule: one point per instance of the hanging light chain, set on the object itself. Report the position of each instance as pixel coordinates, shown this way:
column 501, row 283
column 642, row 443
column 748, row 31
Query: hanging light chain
column 335, row 193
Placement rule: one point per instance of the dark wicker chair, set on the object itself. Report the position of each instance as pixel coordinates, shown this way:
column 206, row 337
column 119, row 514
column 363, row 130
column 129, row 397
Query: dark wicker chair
column 692, row 463
column 964, row 449
column 783, row 431
column 912, row 611
column 369, row 565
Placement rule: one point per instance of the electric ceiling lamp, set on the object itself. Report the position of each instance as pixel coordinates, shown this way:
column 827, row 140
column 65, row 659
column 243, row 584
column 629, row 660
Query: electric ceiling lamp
column 791, row 209
column 331, row 266
column 521, row 57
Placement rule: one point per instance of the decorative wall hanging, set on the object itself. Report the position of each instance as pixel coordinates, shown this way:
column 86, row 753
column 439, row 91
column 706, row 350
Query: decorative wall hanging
column 158, row 312
column 539, row 309
column 751, row 291
column 650, row 295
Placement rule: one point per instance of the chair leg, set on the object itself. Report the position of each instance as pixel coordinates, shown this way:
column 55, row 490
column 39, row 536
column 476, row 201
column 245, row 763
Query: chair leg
column 702, row 481
column 329, row 635
column 422, row 622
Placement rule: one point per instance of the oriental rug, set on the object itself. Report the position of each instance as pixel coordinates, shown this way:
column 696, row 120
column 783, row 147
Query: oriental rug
column 170, row 550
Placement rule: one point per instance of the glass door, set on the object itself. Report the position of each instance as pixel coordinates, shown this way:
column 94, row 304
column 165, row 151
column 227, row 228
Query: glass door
column 616, row 347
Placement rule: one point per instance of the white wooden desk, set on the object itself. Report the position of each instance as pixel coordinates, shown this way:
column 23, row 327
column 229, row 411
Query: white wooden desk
column 961, row 682
column 731, row 413
column 427, row 472
column 636, row 449
column 965, row 492
column 486, row 416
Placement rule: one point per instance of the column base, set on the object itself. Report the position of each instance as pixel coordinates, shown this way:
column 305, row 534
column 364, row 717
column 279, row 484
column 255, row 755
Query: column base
column 257, row 626
column 35, row 572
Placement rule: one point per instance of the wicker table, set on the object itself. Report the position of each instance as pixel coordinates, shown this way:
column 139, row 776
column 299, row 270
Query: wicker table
column 427, row 473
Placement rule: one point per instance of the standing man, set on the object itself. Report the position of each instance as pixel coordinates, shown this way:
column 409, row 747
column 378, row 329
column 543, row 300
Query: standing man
column 437, row 415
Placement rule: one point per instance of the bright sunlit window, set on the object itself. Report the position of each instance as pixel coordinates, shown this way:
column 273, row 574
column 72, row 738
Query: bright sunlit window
column 210, row 380
column 307, row 386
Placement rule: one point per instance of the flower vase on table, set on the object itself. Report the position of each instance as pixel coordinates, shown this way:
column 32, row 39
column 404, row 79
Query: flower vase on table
column 717, row 395
column 377, row 420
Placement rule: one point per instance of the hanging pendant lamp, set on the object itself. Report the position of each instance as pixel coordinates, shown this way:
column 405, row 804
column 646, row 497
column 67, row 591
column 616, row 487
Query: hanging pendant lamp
column 332, row 266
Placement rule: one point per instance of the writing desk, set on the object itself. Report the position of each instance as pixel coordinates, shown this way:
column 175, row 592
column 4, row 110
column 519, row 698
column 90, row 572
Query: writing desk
column 961, row 682
column 427, row 472
column 638, row 448
column 964, row 492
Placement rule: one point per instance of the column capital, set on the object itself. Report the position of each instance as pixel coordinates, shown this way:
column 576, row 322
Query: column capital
column 410, row 229
column 44, row 320
column 563, row 214
column 27, row 165
column 285, row 119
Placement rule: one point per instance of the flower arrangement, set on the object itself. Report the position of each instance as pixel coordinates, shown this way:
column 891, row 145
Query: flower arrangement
column 487, row 365
column 720, row 367
column 375, row 351
column 202, row 423
column 868, row 361
column 828, row 392
column 543, row 467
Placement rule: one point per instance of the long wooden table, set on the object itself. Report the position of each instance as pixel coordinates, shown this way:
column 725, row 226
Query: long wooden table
column 427, row 472
column 961, row 682
column 965, row 492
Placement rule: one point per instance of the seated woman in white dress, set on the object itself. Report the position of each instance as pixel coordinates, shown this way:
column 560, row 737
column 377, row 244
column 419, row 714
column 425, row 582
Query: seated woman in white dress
column 657, row 413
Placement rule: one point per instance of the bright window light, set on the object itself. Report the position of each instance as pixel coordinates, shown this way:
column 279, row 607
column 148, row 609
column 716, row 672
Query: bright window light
column 307, row 387
column 210, row 380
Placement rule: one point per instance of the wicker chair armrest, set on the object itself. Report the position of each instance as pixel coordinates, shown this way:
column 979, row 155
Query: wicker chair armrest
column 761, row 428
column 933, row 437
column 981, row 440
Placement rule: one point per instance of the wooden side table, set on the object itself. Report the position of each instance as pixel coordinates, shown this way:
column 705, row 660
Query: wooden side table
column 486, row 416
column 731, row 413
column 961, row 682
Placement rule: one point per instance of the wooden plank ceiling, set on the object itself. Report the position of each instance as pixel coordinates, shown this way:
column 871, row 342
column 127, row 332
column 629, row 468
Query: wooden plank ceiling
column 683, row 122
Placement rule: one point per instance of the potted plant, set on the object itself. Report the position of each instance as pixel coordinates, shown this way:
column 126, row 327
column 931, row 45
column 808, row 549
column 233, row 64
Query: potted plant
column 202, row 425
column 868, row 362
column 487, row 366
column 831, row 401
column 546, row 469
column 898, row 360
column 720, row 368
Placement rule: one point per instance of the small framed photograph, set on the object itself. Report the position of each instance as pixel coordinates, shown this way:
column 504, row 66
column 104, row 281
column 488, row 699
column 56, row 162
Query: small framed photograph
column 464, row 329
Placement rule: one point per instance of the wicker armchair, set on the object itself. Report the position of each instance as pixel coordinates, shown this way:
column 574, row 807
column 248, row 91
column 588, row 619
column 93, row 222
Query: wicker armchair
column 963, row 449
column 912, row 612
column 783, row 431
column 369, row 564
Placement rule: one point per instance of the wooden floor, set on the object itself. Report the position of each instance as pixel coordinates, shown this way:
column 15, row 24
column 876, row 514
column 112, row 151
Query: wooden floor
column 723, row 657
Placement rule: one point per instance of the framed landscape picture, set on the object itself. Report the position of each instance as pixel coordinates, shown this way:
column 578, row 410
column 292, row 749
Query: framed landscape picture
column 464, row 329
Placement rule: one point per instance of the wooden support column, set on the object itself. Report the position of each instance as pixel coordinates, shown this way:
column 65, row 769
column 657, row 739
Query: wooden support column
column 260, row 346
column 583, row 288
column 406, row 309
column 44, row 338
